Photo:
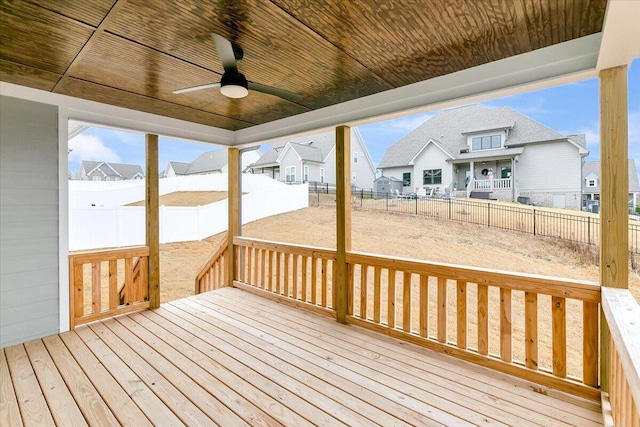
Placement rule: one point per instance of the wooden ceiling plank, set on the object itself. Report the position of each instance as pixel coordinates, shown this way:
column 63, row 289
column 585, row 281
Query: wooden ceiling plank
column 117, row 6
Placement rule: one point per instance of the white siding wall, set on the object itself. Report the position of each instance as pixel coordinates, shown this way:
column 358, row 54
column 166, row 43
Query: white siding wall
column 29, row 258
column 364, row 174
column 290, row 159
column 330, row 167
column 552, row 167
column 432, row 157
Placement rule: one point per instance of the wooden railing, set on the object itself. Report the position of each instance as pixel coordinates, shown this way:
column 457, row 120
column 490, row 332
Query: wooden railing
column 281, row 271
column 105, row 283
column 492, row 184
column 622, row 314
column 461, row 311
column 213, row 273
column 398, row 296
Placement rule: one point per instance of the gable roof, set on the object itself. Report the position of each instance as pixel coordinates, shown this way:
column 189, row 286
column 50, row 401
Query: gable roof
column 592, row 169
column 311, row 149
column 122, row 170
column 452, row 127
column 210, row 161
column 180, row 168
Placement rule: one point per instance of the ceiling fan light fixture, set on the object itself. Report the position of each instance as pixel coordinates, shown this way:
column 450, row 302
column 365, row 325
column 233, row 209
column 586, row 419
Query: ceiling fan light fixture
column 234, row 85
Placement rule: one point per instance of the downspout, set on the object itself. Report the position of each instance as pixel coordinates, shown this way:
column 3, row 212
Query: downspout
column 513, row 174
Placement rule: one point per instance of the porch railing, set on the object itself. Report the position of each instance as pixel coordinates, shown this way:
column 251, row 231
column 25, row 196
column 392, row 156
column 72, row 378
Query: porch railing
column 303, row 274
column 491, row 184
column 213, row 273
column 622, row 314
column 106, row 283
column 414, row 301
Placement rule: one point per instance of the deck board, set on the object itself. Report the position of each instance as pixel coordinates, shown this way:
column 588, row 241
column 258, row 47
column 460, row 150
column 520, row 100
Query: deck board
column 229, row 357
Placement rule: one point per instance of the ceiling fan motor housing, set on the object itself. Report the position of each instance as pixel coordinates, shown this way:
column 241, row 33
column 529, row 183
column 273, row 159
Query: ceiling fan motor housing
column 234, row 85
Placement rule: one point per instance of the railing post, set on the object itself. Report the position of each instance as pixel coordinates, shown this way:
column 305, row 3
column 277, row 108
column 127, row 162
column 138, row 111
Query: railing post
column 233, row 210
column 449, row 208
column 152, row 219
column 343, row 221
column 614, row 185
column 534, row 222
column 488, row 214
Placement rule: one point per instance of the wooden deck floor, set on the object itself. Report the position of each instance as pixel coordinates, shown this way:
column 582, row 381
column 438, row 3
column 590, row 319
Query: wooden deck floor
column 232, row 358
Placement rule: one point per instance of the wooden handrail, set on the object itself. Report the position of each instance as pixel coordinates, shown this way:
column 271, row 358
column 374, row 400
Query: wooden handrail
column 132, row 296
column 622, row 314
column 567, row 288
column 212, row 258
column 302, row 250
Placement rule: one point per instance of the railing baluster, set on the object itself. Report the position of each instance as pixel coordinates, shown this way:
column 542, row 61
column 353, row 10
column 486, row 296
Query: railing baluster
column 278, row 287
column 95, row 288
column 245, row 264
column 559, row 332
column 286, row 274
column 531, row 329
column 406, row 302
column 461, row 312
column 78, row 281
column 590, row 336
column 114, row 298
column 391, row 299
column 377, row 273
column 128, row 280
column 314, row 280
column 442, row 309
column 305, row 261
column 324, row 283
column 483, row 319
column 363, row 291
column 424, row 305
column 351, row 277
column 505, row 325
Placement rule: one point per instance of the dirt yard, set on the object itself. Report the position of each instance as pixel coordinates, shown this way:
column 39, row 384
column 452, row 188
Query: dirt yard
column 403, row 235
column 188, row 198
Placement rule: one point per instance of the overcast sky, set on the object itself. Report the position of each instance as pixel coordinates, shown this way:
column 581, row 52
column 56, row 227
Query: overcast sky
column 568, row 109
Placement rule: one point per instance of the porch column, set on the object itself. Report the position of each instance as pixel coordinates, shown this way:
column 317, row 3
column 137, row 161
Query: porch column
column 513, row 179
column 614, row 190
column 152, row 218
column 233, row 191
column 343, row 223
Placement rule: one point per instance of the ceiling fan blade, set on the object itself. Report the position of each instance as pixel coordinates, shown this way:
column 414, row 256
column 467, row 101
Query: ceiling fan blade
column 281, row 93
column 193, row 89
column 225, row 53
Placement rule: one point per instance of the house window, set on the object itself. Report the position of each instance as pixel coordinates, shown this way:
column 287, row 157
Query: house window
column 432, row 176
column 406, row 179
column 306, row 173
column 485, row 142
column 95, row 178
column 290, row 174
column 355, row 157
column 505, row 173
column 321, row 174
column 592, row 182
column 353, row 177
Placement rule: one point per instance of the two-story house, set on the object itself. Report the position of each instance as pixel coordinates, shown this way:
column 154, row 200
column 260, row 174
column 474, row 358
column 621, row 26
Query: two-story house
column 214, row 161
column 108, row 171
column 489, row 153
column 313, row 159
column 591, row 186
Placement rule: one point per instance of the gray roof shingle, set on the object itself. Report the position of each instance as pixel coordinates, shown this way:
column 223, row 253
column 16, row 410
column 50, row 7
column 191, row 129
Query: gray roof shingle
column 313, row 149
column 210, row 161
column 113, row 169
column 450, row 129
column 593, row 167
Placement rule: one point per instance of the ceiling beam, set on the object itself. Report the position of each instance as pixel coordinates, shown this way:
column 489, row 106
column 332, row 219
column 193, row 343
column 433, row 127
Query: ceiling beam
column 621, row 34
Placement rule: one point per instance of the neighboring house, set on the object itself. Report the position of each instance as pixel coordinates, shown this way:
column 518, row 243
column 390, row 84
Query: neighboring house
column 210, row 162
column 489, row 153
column 313, row 159
column 591, row 186
column 107, row 171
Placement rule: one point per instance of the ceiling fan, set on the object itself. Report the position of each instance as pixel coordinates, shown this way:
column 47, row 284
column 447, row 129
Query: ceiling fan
column 233, row 83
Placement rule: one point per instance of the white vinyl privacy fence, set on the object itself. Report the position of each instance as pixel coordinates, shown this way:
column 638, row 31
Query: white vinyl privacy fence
column 103, row 226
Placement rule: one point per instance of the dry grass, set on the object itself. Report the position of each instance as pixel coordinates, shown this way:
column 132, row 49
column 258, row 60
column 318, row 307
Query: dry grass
column 188, row 198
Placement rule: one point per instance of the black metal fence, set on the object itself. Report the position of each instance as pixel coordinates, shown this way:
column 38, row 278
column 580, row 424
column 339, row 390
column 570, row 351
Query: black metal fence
column 524, row 219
